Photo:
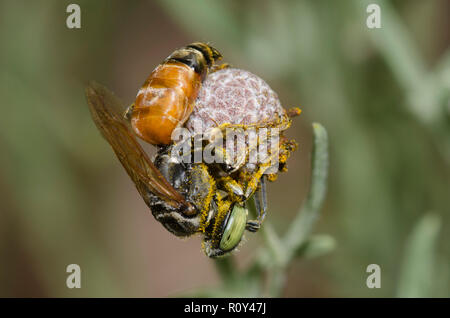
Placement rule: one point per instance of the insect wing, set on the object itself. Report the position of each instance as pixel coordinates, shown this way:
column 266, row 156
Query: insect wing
column 104, row 107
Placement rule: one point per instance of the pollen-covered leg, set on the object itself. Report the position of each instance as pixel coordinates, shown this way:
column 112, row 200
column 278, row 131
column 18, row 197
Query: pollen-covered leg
column 218, row 67
column 232, row 187
column 252, row 184
column 232, row 158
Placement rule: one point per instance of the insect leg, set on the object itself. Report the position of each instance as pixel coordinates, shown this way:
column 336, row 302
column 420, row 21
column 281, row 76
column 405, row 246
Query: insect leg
column 127, row 113
column 232, row 187
column 217, row 67
column 232, row 159
column 252, row 185
column 260, row 200
column 264, row 199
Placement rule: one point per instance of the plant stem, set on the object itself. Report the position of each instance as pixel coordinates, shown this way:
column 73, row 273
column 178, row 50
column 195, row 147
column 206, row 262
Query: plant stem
column 302, row 225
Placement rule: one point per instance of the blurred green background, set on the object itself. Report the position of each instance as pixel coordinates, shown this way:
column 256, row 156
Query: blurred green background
column 383, row 95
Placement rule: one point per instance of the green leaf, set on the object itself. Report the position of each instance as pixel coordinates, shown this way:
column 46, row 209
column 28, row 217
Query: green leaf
column 417, row 274
column 315, row 246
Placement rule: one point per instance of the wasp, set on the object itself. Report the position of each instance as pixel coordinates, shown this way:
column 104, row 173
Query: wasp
column 167, row 97
column 187, row 198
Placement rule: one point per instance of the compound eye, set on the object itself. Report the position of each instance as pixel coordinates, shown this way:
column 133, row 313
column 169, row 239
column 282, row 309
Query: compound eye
column 234, row 229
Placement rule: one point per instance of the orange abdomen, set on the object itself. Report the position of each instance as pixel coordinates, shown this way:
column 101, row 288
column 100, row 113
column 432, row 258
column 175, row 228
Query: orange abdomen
column 165, row 101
